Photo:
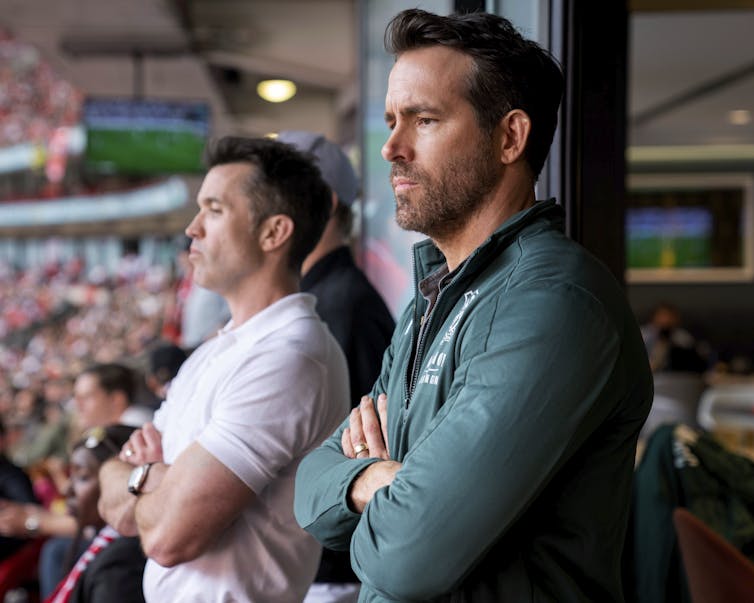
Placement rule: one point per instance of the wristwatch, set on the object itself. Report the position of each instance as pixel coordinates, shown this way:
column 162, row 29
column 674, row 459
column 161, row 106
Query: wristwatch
column 31, row 523
column 137, row 478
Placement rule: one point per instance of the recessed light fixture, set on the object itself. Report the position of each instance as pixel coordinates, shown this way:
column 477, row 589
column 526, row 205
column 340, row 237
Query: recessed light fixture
column 276, row 91
column 739, row 117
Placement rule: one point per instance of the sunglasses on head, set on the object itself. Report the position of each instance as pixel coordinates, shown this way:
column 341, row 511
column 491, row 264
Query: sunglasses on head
column 98, row 435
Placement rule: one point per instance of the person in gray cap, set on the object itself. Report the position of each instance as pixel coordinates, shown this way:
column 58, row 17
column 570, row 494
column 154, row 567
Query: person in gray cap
column 353, row 310
column 346, row 300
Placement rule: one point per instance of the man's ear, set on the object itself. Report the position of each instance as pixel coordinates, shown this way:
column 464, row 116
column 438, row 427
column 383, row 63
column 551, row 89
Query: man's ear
column 275, row 231
column 333, row 203
column 515, row 128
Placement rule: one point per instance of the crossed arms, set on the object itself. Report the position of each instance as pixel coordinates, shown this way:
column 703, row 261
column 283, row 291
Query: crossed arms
column 179, row 514
column 474, row 465
column 368, row 427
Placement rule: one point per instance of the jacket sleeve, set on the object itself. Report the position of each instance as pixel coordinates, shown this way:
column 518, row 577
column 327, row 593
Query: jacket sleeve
column 323, row 478
column 524, row 397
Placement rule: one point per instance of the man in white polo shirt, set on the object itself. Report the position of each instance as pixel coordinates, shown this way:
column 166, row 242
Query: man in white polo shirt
column 209, row 486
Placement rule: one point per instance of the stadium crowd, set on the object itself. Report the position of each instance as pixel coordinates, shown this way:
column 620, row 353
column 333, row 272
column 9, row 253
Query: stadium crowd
column 34, row 99
column 57, row 320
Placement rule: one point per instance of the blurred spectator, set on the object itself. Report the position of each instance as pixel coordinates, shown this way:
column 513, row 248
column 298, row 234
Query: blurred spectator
column 112, row 567
column 164, row 362
column 25, row 421
column 15, row 485
column 353, row 311
column 670, row 346
column 56, row 320
column 351, row 307
column 104, row 394
column 47, row 440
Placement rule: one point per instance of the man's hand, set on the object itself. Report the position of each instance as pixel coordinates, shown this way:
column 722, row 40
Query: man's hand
column 366, row 435
column 375, row 476
column 144, row 446
column 12, row 519
column 116, row 503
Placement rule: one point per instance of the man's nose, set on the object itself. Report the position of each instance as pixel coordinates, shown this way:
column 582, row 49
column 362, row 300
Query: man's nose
column 192, row 230
column 397, row 147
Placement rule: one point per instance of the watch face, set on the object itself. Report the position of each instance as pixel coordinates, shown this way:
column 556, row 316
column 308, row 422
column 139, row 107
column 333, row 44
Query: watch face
column 31, row 523
column 136, row 479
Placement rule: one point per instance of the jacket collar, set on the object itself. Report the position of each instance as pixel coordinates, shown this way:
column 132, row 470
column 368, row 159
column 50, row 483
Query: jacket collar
column 543, row 214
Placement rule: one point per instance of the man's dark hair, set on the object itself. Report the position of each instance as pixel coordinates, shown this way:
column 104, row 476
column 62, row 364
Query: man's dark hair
column 510, row 72
column 114, row 377
column 285, row 181
column 165, row 360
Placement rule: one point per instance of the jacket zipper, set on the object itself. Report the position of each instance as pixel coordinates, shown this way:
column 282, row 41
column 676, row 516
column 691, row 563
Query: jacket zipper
column 406, row 382
column 423, row 330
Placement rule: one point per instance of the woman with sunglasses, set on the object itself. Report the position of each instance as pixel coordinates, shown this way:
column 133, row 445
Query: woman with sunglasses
column 112, row 566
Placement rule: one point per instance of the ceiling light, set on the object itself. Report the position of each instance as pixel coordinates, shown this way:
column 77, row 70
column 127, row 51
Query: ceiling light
column 739, row 117
column 276, row 91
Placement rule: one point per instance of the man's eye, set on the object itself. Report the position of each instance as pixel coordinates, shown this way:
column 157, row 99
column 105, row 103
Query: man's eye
column 425, row 121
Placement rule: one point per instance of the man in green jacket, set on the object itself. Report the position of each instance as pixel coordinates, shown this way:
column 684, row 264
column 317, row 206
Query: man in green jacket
column 492, row 460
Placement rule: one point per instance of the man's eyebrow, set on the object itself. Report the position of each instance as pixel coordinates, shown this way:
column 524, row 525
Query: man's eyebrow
column 210, row 201
column 412, row 110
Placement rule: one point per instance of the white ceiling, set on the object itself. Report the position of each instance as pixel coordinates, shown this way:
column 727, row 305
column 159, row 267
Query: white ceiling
column 676, row 53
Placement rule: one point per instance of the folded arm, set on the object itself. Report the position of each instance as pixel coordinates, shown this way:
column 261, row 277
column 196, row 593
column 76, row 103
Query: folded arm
column 16, row 519
column 324, row 502
column 184, row 508
column 525, row 399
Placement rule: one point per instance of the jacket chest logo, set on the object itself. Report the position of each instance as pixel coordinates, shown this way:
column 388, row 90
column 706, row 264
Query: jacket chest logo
column 431, row 374
column 468, row 297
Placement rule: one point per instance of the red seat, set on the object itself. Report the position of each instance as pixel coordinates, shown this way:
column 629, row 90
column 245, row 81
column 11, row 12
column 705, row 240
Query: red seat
column 717, row 572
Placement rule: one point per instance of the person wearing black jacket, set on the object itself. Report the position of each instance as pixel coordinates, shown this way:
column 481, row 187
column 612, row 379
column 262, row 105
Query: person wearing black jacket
column 354, row 312
column 15, row 486
column 349, row 304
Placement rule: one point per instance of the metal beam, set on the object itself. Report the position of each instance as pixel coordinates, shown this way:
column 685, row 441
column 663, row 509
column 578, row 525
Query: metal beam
column 692, row 94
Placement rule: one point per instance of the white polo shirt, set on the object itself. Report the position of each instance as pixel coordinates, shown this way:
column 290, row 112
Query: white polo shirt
column 258, row 398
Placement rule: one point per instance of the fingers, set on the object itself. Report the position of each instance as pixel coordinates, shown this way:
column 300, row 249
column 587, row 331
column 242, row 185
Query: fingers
column 144, row 446
column 129, row 453
column 366, row 434
column 345, row 442
column 382, row 412
column 153, row 441
column 151, row 436
column 360, row 447
column 372, row 430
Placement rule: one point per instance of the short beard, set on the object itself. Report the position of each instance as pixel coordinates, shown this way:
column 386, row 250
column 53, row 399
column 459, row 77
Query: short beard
column 447, row 203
